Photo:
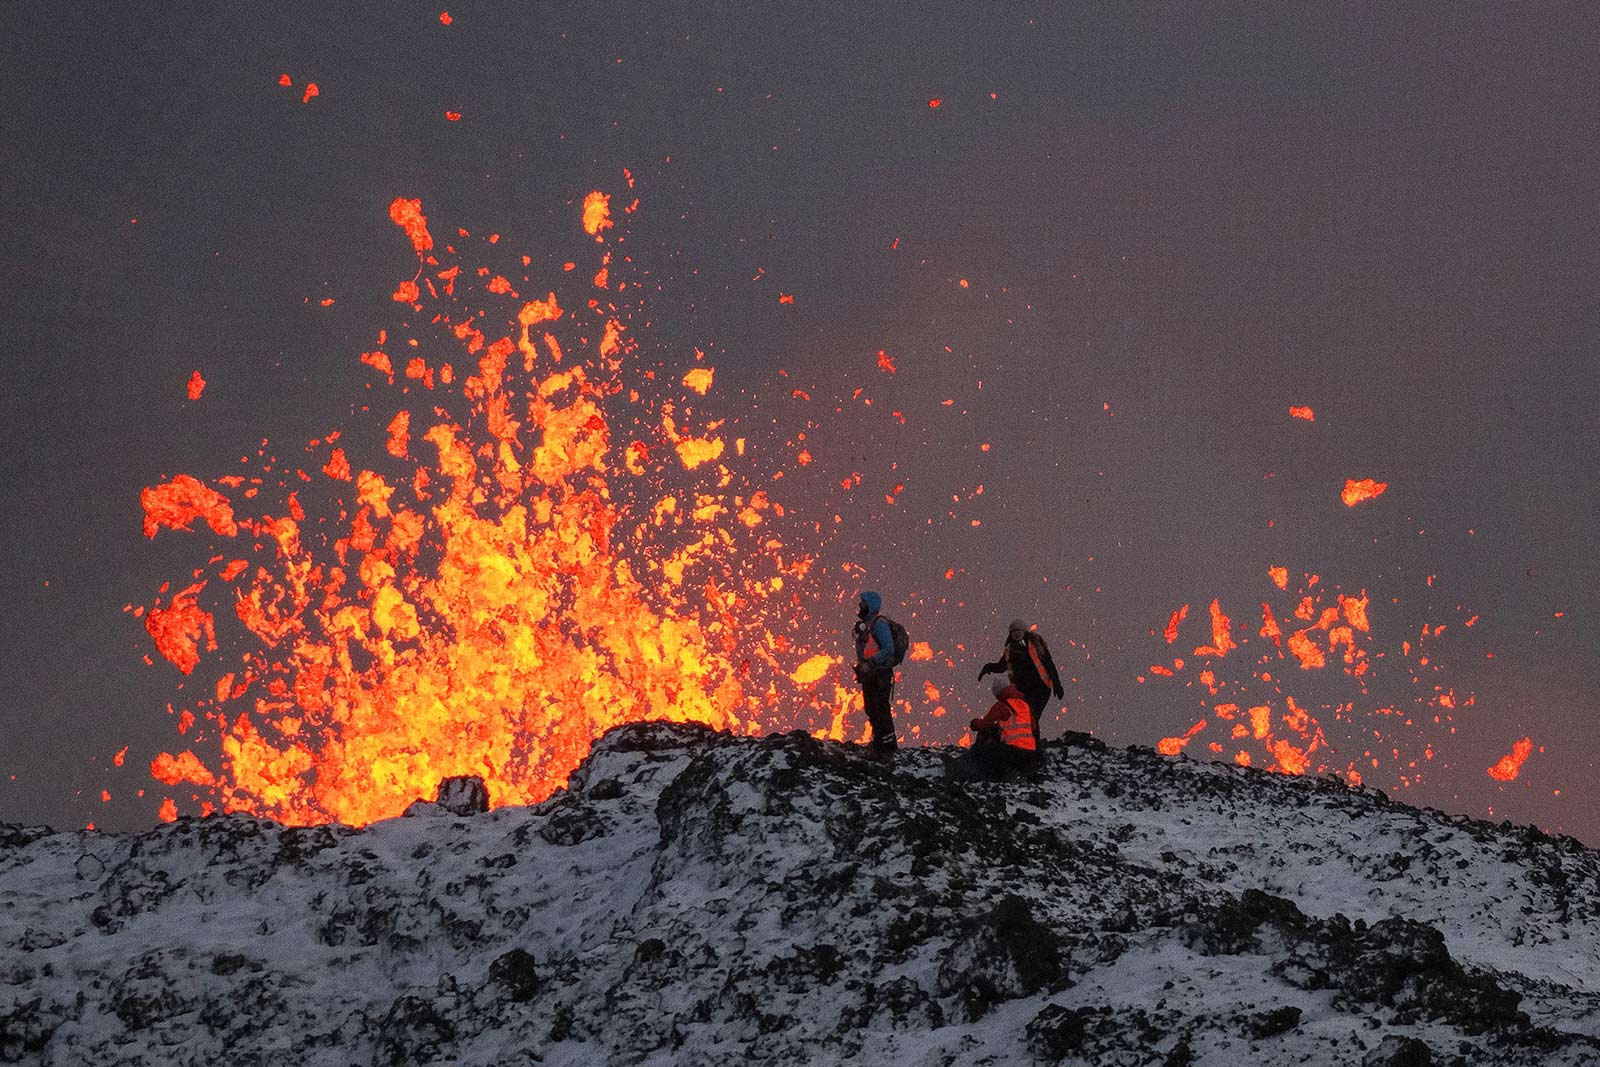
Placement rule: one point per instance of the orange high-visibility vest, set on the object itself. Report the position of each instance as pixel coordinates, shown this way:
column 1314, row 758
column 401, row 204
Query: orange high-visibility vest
column 869, row 646
column 1038, row 664
column 1017, row 731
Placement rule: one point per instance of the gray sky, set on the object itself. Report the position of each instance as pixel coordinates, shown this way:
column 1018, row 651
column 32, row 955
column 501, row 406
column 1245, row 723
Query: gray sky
column 1196, row 216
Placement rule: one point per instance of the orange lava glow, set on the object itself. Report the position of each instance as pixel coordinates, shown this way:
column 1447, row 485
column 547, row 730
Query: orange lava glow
column 596, row 214
column 182, row 629
column 407, row 214
column 1303, row 413
column 1221, row 633
column 197, row 385
column 699, row 379
column 1171, row 746
column 184, row 767
column 485, row 581
column 1355, row 492
column 311, row 91
column 177, row 503
column 1174, row 622
column 1509, row 766
column 1334, row 638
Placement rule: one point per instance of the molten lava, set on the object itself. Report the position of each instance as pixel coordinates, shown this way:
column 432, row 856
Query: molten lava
column 528, row 546
column 1318, row 630
column 1509, row 766
column 1356, row 492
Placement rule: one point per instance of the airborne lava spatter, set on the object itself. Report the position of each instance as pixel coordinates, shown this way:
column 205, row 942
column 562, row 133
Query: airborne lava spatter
column 1319, row 632
column 536, row 548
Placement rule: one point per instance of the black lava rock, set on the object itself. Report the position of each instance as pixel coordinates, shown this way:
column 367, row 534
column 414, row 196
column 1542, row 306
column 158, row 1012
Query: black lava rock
column 1057, row 1032
column 1004, row 954
column 1398, row 1051
column 466, row 795
column 515, row 975
column 1263, row 1024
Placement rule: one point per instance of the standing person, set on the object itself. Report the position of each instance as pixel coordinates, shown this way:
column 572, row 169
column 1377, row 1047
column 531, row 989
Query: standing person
column 1026, row 660
column 875, row 659
column 1003, row 740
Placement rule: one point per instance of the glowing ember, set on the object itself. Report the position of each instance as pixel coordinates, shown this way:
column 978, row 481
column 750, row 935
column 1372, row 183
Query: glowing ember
column 184, row 767
column 814, row 669
column 311, row 91
column 1221, row 633
column 544, row 549
column 177, row 503
column 596, row 214
column 1174, row 622
column 1335, row 638
column 1509, row 766
column 699, row 379
column 1355, row 492
column 407, row 214
column 1171, row 746
column 1303, row 413
column 180, row 628
column 197, row 385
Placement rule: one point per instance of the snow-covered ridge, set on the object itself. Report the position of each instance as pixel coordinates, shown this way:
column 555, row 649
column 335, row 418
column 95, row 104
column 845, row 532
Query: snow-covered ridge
column 698, row 898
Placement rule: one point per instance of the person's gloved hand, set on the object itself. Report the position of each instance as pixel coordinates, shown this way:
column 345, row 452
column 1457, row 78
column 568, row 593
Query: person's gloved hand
column 975, row 724
column 983, row 673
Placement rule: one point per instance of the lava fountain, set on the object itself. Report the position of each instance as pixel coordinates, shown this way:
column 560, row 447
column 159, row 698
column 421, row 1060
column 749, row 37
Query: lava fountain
column 537, row 539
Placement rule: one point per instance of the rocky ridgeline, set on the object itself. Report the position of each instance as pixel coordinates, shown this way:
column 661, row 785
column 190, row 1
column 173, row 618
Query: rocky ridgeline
column 702, row 899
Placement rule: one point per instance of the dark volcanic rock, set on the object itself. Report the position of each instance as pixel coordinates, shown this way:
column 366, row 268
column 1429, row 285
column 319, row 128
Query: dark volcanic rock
column 461, row 795
column 412, row 1032
column 1003, row 954
column 1398, row 1051
column 1398, row 963
column 1264, row 1024
column 466, row 795
column 698, row 898
column 902, row 1001
column 570, row 820
column 1057, row 1032
column 27, row 1028
column 515, row 974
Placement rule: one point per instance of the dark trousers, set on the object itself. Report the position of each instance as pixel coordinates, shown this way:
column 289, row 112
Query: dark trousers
column 877, row 692
column 990, row 759
column 1037, row 699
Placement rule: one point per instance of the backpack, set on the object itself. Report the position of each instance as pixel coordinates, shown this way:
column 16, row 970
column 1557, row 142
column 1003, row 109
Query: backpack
column 902, row 640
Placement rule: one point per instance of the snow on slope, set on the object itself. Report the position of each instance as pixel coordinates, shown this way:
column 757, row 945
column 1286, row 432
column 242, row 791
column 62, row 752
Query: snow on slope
column 696, row 899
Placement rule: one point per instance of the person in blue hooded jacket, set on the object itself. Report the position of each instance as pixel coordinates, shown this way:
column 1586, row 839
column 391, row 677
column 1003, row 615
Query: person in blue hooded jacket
column 875, row 671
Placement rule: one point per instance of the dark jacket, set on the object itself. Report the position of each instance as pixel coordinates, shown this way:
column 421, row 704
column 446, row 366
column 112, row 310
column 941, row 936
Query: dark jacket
column 1017, row 660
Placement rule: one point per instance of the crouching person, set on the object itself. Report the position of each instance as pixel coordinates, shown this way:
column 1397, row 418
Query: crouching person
column 1003, row 739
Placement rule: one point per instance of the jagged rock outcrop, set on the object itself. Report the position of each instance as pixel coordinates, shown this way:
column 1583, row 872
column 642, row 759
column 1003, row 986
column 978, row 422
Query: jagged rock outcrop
column 698, row 898
column 464, row 795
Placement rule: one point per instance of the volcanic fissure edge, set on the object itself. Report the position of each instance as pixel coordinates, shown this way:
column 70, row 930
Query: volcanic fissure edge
column 699, row 898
